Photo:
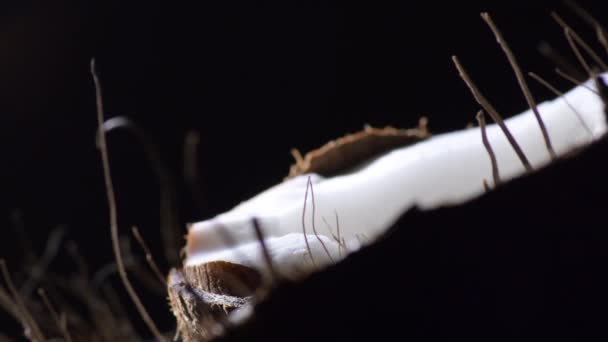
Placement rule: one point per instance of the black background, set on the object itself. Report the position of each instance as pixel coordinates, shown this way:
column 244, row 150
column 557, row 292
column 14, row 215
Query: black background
column 253, row 78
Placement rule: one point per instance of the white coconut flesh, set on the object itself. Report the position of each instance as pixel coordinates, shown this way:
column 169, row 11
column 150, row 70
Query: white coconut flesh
column 446, row 169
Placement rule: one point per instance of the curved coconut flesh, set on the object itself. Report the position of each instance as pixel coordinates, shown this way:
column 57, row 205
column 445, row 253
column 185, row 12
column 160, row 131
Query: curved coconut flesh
column 446, row 169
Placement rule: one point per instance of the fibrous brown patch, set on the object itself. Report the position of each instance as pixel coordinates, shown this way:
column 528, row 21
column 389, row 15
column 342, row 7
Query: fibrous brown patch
column 224, row 278
column 202, row 296
column 352, row 149
column 198, row 312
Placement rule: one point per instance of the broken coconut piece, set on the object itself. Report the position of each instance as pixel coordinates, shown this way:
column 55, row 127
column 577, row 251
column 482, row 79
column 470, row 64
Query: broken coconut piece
column 445, row 169
column 353, row 149
column 224, row 254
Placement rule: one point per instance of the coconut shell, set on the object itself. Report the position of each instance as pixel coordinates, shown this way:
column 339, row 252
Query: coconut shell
column 352, row 149
column 201, row 296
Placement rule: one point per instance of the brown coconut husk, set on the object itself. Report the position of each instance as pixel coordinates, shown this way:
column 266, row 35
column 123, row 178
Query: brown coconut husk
column 352, row 149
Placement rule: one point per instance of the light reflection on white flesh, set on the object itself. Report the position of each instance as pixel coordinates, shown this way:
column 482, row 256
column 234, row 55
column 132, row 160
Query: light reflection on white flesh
column 446, row 169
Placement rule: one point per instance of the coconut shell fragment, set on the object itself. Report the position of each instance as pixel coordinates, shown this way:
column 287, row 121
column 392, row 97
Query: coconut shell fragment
column 224, row 278
column 352, row 149
column 202, row 296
